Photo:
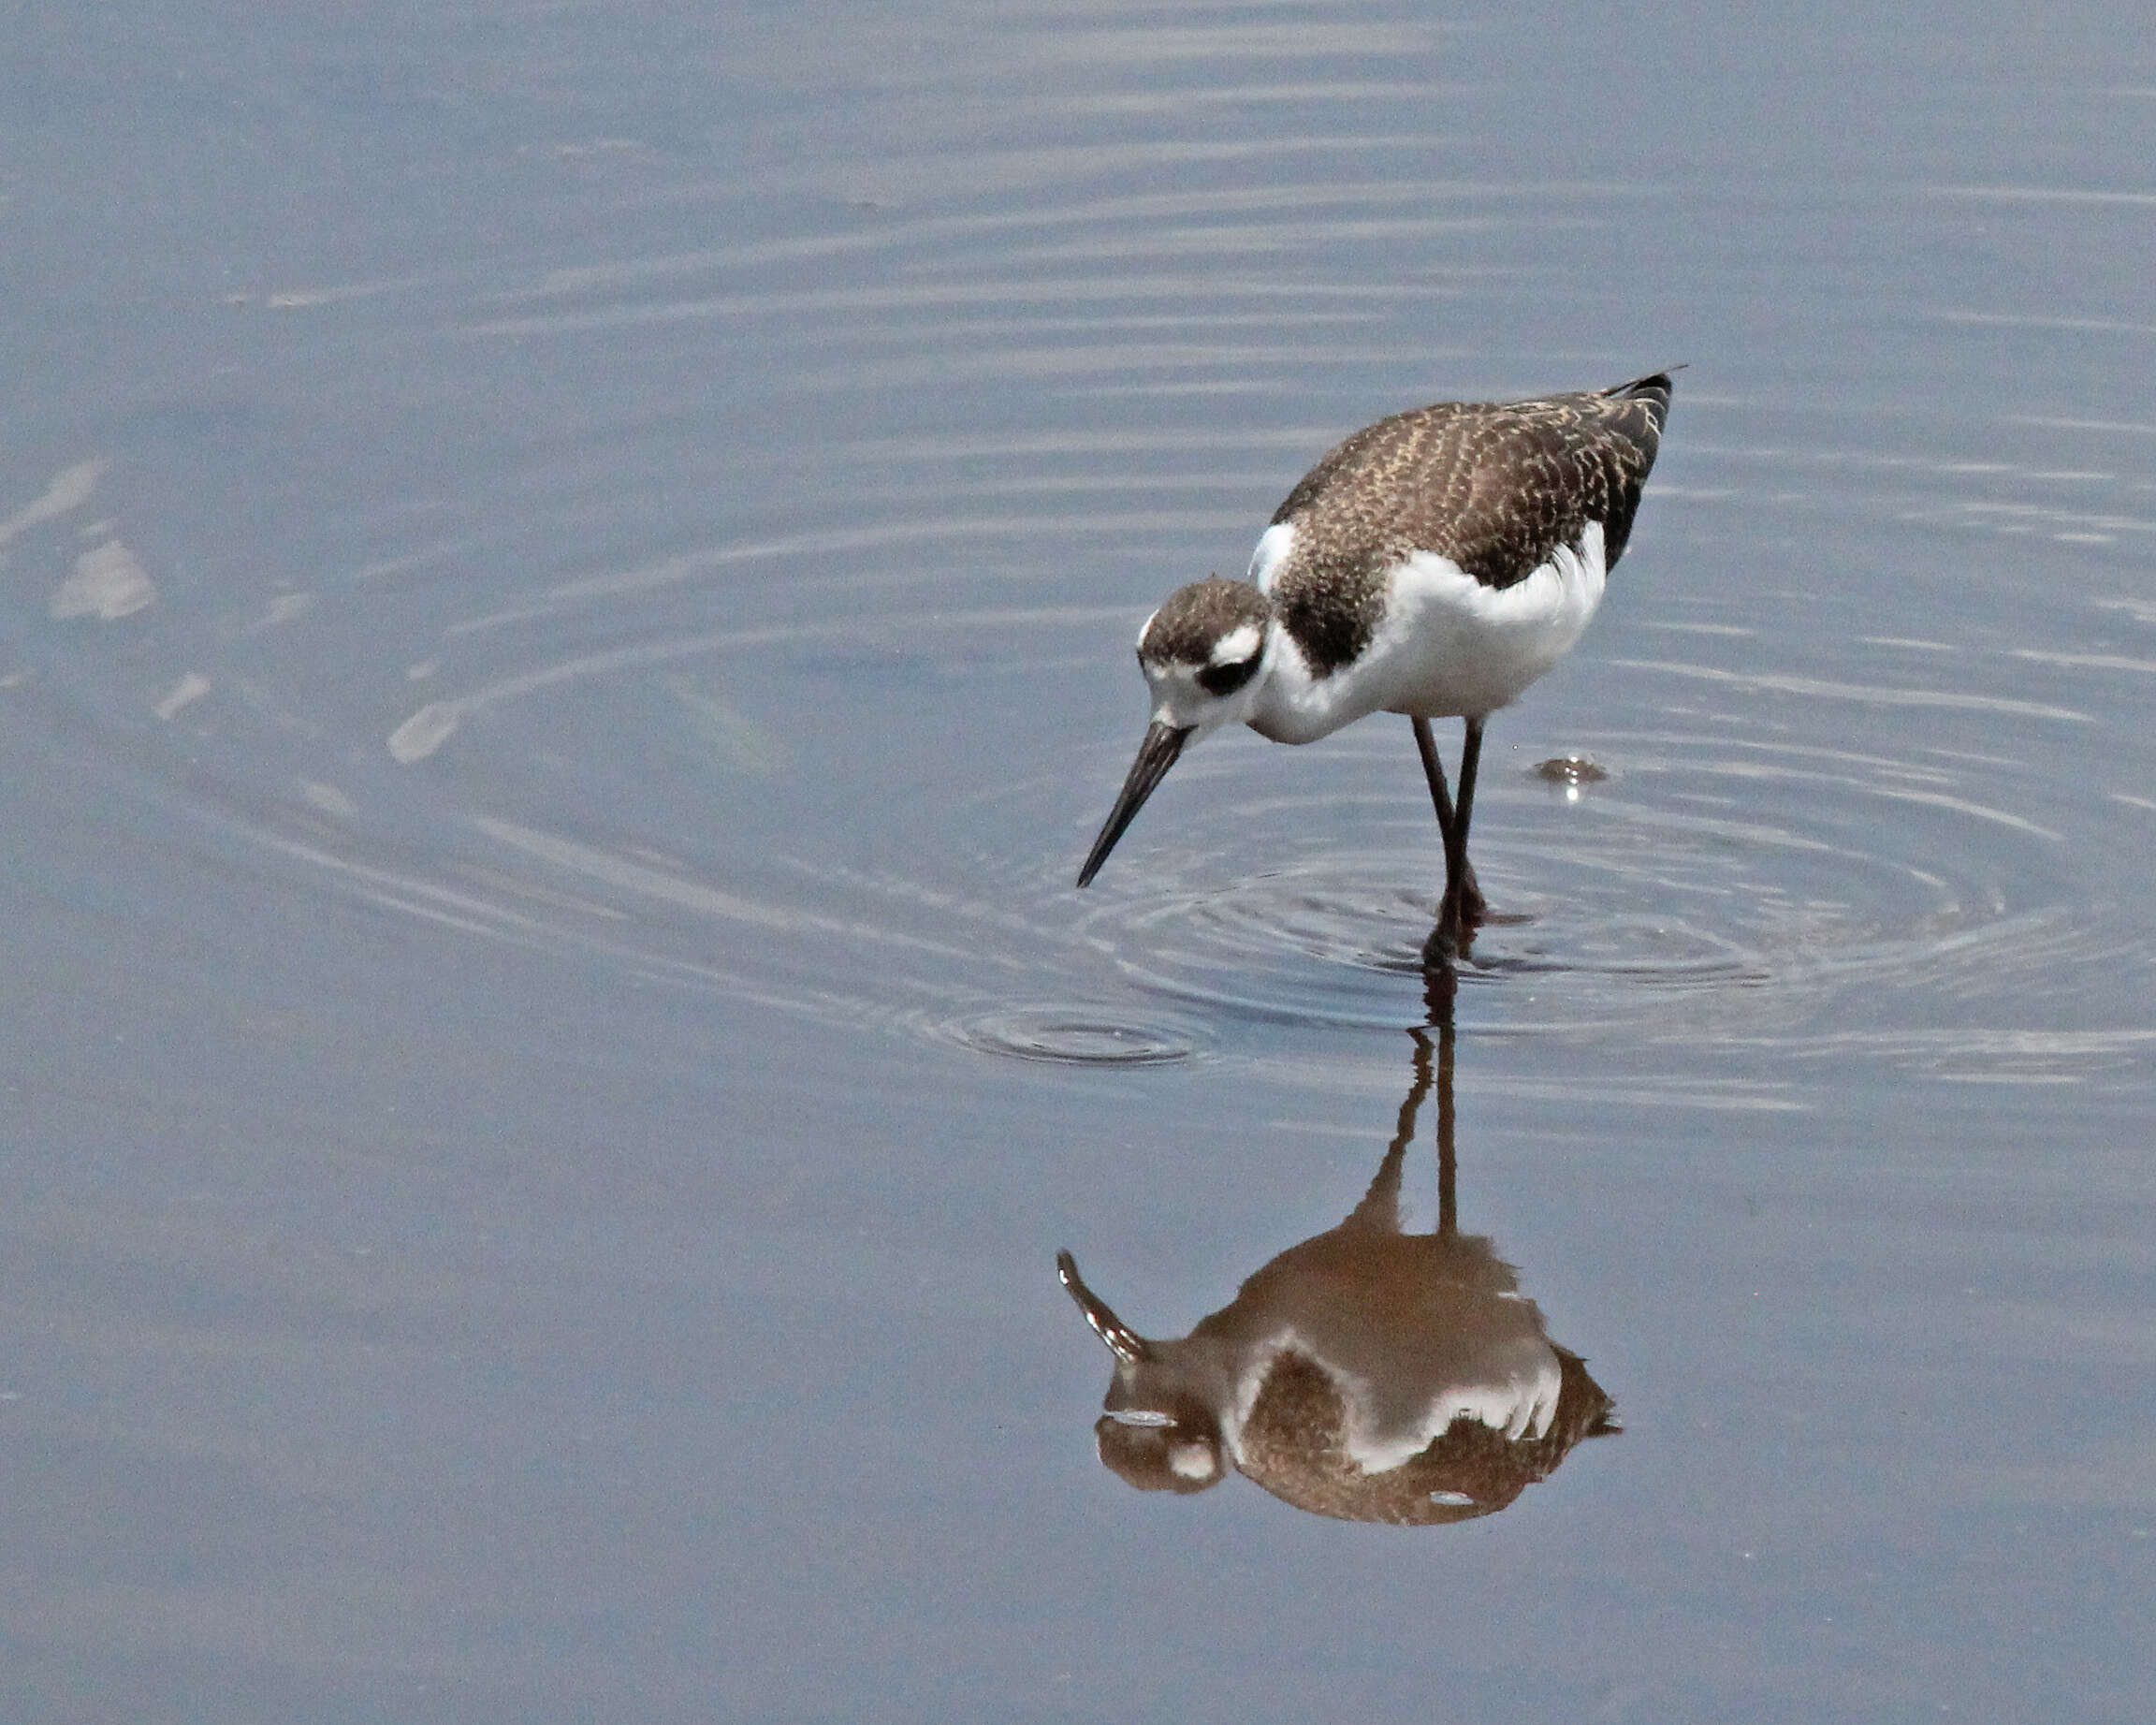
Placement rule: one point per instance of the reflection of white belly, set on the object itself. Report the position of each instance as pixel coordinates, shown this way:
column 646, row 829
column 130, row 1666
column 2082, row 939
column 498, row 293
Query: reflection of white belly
column 1517, row 1398
column 1513, row 1391
column 1450, row 647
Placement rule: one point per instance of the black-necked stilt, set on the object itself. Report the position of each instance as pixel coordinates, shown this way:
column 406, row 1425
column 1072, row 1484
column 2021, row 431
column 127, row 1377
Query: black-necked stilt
column 1433, row 564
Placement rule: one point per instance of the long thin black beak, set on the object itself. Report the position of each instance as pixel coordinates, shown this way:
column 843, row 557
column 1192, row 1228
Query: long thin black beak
column 1129, row 1346
column 1156, row 756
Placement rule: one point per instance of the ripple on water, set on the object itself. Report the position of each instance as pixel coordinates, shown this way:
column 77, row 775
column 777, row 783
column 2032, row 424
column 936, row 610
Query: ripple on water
column 1071, row 1035
column 1832, row 878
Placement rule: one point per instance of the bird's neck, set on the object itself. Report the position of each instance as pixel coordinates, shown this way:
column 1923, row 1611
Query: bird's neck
column 1294, row 705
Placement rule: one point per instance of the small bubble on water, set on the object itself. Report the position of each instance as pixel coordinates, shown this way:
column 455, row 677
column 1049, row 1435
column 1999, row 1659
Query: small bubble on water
column 1569, row 769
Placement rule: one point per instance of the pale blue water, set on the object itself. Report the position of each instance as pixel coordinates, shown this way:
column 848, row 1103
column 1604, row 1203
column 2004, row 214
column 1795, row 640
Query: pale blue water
column 569, row 577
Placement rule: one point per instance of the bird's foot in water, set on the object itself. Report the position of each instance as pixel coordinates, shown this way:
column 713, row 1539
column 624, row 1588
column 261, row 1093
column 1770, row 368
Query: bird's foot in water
column 1459, row 913
column 1473, row 907
column 1442, row 949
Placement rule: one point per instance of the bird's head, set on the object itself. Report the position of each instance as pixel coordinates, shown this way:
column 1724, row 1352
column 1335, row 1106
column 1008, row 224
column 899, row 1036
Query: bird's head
column 1205, row 656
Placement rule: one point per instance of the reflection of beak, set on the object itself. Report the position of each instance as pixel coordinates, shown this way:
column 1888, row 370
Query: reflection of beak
column 1156, row 756
column 1129, row 1346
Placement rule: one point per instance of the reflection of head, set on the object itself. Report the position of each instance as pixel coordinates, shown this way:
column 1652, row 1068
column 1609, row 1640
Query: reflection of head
column 1158, row 1429
column 1175, row 1457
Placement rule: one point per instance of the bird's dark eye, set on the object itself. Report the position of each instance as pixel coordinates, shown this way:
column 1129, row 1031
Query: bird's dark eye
column 1227, row 678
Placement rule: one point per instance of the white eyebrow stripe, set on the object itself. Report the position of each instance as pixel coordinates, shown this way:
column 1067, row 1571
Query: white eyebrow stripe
column 1238, row 645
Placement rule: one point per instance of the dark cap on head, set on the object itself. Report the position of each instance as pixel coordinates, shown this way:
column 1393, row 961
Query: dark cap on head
column 1186, row 628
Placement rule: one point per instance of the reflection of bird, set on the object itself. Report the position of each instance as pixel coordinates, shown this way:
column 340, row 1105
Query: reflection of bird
column 1366, row 1374
column 1433, row 564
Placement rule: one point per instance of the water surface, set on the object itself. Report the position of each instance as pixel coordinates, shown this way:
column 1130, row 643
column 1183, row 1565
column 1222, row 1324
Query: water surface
column 570, row 577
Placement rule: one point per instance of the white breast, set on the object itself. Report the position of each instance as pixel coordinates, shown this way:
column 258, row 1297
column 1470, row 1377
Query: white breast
column 1449, row 647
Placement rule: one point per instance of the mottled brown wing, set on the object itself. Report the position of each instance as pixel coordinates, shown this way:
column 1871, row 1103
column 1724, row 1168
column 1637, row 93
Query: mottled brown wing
column 1546, row 472
column 1496, row 486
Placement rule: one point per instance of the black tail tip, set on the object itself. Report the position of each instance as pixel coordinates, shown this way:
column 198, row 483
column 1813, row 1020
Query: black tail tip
column 1654, row 386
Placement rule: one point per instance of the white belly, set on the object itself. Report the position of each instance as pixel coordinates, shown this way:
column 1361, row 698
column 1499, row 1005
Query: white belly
column 1450, row 647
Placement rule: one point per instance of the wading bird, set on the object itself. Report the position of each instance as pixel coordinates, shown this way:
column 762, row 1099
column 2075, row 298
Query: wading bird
column 1433, row 564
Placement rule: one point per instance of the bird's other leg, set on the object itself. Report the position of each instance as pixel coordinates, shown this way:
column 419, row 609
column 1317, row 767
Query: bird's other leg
column 1451, row 826
column 1463, row 905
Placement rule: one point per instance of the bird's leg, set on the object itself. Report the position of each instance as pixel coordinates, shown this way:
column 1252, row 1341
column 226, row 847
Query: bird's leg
column 1463, row 905
column 1434, row 770
column 1452, row 826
